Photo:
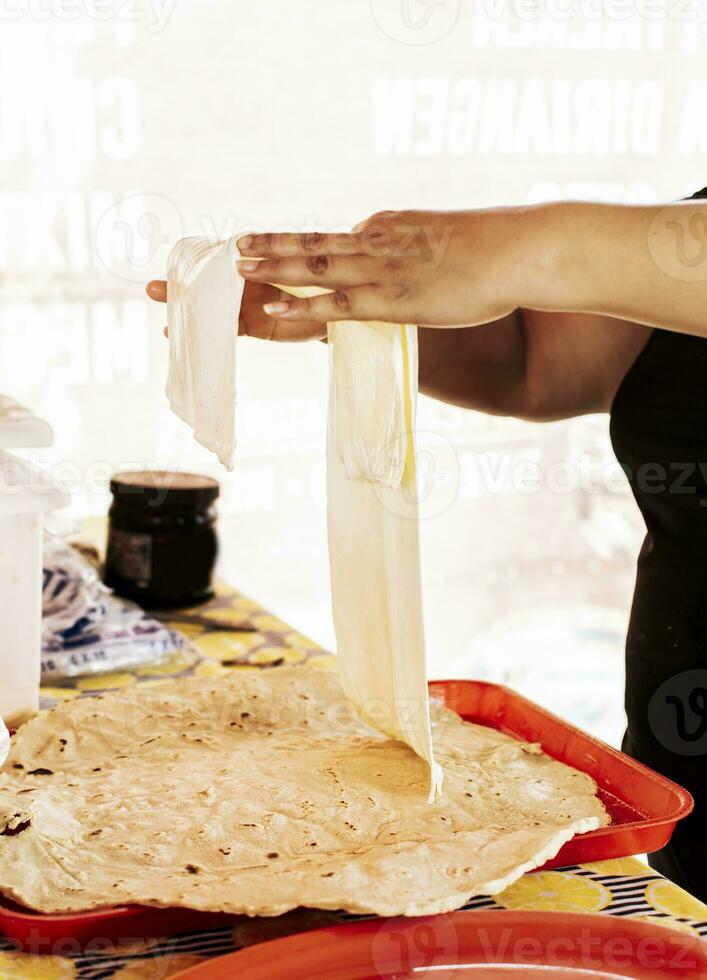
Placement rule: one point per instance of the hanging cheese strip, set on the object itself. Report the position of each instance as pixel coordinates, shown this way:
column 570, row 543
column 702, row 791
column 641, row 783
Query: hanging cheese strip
column 204, row 294
column 372, row 516
column 374, row 549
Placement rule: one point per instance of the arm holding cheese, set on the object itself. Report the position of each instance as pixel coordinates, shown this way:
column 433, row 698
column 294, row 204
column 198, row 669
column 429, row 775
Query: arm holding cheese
column 643, row 264
column 569, row 293
column 550, row 343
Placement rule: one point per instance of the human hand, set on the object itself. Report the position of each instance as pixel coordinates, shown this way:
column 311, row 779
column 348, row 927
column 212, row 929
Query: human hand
column 424, row 267
column 253, row 320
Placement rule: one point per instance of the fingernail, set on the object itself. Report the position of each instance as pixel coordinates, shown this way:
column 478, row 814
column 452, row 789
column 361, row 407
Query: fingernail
column 245, row 242
column 248, row 265
column 275, row 308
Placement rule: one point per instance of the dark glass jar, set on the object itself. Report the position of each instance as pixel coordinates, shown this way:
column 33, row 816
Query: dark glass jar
column 162, row 542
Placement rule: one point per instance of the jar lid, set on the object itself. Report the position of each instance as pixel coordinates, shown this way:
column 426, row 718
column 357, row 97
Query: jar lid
column 156, row 487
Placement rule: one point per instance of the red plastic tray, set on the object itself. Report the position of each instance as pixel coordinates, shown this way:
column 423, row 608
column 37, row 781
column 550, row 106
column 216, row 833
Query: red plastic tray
column 644, row 808
column 470, row 946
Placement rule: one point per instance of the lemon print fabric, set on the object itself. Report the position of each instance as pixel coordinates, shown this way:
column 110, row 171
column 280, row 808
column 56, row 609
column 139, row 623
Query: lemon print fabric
column 666, row 921
column 274, row 656
column 229, row 646
column 228, row 614
column 300, row 640
column 667, row 898
column 621, row 867
column 270, row 623
column 559, row 891
column 105, row 682
column 20, row 966
column 179, row 663
column 58, row 693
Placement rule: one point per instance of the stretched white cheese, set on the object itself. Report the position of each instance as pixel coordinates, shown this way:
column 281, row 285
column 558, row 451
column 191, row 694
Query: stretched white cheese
column 368, row 395
column 374, row 551
column 204, row 293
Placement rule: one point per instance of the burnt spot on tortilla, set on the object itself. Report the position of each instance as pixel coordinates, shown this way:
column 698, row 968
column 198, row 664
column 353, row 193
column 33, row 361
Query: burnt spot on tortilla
column 271, row 855
column 225, row 850
column 19, row 828
column 245, row 714
column 192, row 869
column 313, row 843
column 40, row 772
column 62, row 741
column 97, row 769
column 95, row 833
column 327, row 874
column 17, row 765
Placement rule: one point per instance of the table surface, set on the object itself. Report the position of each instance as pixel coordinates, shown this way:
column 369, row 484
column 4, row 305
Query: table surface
column 234, row 633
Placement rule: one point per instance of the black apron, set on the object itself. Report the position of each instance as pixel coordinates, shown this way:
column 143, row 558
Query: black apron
column 659, row 434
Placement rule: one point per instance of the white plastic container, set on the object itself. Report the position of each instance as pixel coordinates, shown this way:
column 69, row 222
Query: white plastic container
column 26, row 494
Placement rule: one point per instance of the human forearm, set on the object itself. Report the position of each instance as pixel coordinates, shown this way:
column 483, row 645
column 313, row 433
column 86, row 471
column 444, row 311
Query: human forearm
column 643, row 264
column 482, row 368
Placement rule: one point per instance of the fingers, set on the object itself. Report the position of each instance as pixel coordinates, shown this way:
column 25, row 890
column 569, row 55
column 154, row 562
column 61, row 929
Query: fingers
column 297, row 331
column 254, row 322
column 329, row 271
column 309, row 243
column 157, row 290
column 359, row 303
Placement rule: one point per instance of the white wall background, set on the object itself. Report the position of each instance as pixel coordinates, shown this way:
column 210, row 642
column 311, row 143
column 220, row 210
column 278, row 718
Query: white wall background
column 125, row 125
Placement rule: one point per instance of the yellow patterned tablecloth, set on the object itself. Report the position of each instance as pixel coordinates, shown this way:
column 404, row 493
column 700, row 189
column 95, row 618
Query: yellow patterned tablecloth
column 234, row 633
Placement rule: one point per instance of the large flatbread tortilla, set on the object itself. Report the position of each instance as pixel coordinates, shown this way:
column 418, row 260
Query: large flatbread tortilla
column 263, row 791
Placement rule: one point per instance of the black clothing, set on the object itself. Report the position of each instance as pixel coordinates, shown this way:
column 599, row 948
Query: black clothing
column 659, row 434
